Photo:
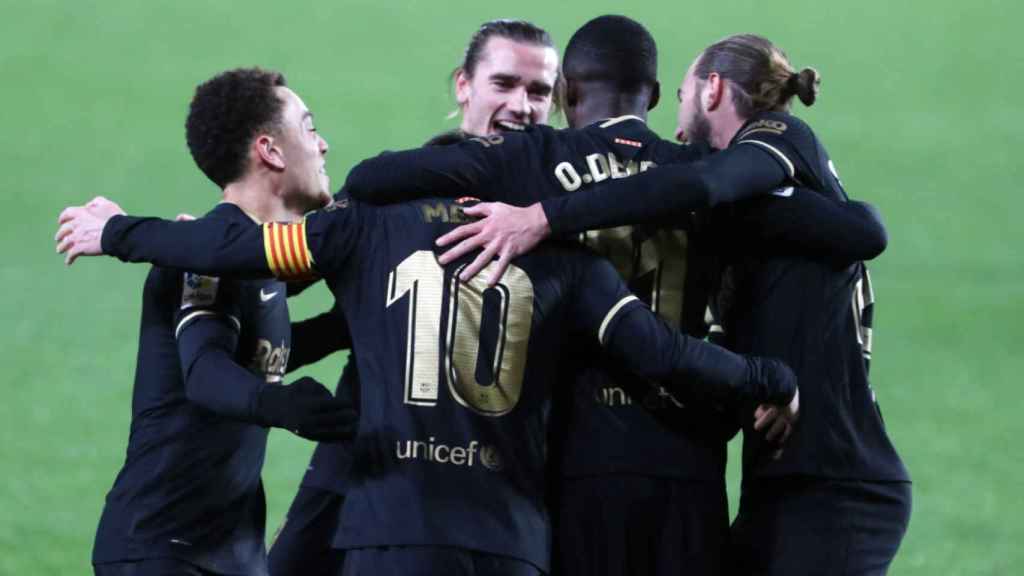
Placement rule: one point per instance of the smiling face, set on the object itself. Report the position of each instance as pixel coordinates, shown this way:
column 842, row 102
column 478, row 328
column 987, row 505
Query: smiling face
column 512, row 86
column 306, row 184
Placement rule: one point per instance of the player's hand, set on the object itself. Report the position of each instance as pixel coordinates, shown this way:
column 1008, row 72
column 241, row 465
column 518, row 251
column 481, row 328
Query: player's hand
column 308, row 409
column 778, row 421
column 505, row 231
column 80, row 228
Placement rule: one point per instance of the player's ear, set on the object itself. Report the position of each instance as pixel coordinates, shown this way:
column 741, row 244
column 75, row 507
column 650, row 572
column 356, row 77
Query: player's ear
column 268, row 152
column 713, row 89
column 655, row 95
column 463, row 86
column 572, row 93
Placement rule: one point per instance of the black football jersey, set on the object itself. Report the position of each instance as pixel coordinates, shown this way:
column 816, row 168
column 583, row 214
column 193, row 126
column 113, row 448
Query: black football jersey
column 455, row 376
column 814, row 314
column 190, row 485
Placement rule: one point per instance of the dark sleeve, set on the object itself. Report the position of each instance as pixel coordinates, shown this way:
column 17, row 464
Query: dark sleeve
column 213, row 379
column 238, row 249
column 206, row 328
column 802, row 222
column 315, row 338
column 207, row 245
column 667, row 192
column 461, row 169
column 647, row 346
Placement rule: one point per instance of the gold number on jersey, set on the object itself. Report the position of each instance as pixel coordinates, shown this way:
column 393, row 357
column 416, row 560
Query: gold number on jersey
column 663, row 256
column 422, row 278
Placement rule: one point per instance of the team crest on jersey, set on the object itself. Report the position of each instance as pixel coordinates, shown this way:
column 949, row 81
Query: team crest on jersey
column 488, row 141
column 336, row 205
column 776, row 127
column 198, row 290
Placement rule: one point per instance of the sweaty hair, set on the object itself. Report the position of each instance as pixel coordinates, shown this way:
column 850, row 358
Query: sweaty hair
column 762, row 77
column 613, row 50
column 226, row 113
column 515, row 30
column 519, row 31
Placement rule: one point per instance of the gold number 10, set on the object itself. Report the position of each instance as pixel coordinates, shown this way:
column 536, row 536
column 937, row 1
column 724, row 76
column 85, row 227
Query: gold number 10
column 421, row 278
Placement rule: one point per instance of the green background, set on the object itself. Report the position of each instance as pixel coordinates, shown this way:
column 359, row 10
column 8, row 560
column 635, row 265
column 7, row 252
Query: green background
column 920, row 108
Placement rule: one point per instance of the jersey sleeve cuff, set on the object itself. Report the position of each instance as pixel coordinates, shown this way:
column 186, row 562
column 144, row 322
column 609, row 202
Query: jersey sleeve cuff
column 616, row 313
column 195, row 315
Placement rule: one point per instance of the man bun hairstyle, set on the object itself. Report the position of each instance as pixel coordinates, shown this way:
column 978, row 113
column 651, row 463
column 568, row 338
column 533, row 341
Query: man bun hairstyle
column 226, row 113
column 805, row 85
column 760, row 74
column 613, row 50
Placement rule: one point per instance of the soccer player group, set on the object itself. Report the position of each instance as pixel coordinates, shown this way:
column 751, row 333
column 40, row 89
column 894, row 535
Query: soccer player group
column 541, row 383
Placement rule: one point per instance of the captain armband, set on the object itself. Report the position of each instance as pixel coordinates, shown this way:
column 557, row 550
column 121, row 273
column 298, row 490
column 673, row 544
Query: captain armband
column 287, row 252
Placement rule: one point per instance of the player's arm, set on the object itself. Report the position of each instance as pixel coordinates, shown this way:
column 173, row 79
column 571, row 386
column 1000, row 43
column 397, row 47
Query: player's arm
column 736, row 173
column 315, row 338
column 654, row 196
column 461, row 169
column 211, row 245
column 649, row 347
column 802, row 222
column 207, row 342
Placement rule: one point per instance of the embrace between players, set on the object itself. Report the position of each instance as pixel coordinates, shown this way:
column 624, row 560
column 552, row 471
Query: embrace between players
column 509, row 407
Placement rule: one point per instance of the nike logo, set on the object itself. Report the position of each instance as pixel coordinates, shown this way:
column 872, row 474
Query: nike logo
column 264, row 297
column 182, row 542
column 784, row 192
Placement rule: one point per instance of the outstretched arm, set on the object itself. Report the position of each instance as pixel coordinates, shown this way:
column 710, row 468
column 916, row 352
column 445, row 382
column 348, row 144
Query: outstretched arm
column 659, row 195
column 213, row 246
column 455, row 170
column 802, row 222
column 667, row 192
column 205, row 246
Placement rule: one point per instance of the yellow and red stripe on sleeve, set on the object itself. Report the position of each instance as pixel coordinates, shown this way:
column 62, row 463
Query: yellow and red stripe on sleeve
column 287, row 252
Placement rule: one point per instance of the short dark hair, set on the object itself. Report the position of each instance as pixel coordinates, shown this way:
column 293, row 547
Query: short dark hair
column 762, row 77
column 613, row 50
column 515, row 30
column 226, row 113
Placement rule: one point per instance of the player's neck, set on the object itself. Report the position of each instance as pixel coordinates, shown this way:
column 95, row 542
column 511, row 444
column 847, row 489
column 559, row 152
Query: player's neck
column 725, row 127
column 597, row 107
column 260, row 199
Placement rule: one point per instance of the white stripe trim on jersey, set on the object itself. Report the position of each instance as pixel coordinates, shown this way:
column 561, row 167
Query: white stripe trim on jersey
column 197, row 313
column 620, row 119
column 611, row 314
column 789, row 165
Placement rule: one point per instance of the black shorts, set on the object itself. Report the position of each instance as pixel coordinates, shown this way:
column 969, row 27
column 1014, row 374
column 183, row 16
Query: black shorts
column 303, row 543
column 806, row 526
column 625, row 525
column 431, row 561
column 150, row 567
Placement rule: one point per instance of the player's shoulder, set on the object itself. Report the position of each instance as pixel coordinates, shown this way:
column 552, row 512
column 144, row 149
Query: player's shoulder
column 772, row 125
column 229, row 212
column 567, row 258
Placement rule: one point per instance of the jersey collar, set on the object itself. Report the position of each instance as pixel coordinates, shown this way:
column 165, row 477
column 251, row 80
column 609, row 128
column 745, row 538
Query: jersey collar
column 613, row 121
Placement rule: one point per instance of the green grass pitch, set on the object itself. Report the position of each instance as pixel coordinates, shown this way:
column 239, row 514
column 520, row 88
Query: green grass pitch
column 920, row 107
